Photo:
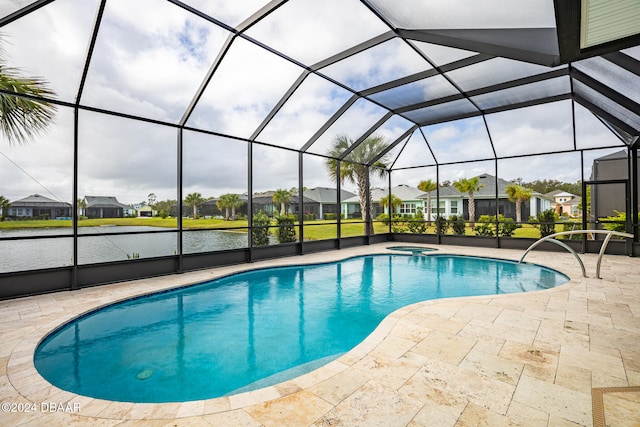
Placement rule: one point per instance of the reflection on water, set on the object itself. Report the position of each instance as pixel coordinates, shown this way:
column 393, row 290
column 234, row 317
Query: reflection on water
column 20, row 255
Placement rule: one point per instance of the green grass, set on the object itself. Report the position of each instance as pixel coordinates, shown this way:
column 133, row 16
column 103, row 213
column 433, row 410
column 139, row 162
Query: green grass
column 313, row 230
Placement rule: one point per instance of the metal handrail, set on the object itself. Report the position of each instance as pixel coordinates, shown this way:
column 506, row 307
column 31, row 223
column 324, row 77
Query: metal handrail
column 550, row 238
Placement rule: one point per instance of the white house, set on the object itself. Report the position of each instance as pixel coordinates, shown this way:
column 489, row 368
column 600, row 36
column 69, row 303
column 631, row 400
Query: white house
column 451, row 202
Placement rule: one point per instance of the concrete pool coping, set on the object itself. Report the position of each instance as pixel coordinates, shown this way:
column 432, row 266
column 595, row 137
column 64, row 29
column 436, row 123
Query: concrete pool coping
column 532, row 358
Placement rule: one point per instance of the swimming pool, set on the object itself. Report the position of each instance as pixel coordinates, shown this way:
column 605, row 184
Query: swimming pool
column 256, row 328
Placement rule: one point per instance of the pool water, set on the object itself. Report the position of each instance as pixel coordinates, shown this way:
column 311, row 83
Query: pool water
column 257, row 328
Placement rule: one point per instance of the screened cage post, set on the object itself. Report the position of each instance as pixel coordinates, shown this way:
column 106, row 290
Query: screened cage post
column 300, row 203
column 339, row 202
column 368, row 226
column 390, row 205
column 633, row 175
column 180, row 147
column 438, row 204
column 250, row 199
column 583, row 189
column 74, row 217
column 497, row 204
column 76, row 143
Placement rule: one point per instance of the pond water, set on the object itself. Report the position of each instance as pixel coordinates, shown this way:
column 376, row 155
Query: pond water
column 28, row 254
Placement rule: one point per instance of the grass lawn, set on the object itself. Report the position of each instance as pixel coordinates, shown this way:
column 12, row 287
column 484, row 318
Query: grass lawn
column 313, row 230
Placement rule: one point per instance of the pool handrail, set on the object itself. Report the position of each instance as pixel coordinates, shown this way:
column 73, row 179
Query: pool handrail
column 550, row 238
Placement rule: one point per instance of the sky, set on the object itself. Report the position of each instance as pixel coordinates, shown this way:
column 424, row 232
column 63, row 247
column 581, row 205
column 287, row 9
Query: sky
column 151, row 57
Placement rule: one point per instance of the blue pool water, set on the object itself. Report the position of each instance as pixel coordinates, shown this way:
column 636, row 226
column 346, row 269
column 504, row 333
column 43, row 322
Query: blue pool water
column 257, row 328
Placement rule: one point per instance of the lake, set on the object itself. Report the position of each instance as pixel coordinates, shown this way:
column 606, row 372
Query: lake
column 31, row 254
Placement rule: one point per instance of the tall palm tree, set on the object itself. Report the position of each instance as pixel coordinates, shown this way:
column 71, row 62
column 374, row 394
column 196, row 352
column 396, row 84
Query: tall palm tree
column 227, row 201
column 355, row 170
column 235, row 202
column 469, row 186
column 22, row 118
column 4, row 206
column 82, row 205
column 518, row 194
column 428, row 186
column 223, row 203
column 194, row 200
column 395, row 202
column 283, row 197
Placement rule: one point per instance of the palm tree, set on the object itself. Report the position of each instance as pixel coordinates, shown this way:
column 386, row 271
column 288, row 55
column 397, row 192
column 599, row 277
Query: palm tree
column 355, row 169
column 428, row 186
column 223, row 203
column 518, row 194
column 4, row 206
column 235, row 202
column 82, row 205
column 22, row 118
column 227, row 201
column 283, row 197
column 395, row 202
column 469, row 186
column 194, row 200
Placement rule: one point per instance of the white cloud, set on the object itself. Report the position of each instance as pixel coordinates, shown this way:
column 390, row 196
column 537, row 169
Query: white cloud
column 388, row 61
column 309, row 30
column 246, row 86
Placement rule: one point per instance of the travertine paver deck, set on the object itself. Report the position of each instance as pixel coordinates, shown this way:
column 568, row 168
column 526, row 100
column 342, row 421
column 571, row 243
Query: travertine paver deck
column 525, row 359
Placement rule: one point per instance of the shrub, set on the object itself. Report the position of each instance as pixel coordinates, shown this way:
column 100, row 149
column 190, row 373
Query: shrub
column 398, row 228
column 545, row 222
column 384, row 218
column 330, row 216
column 310, row 217
column 615, row 223
column 486, row 226
column 458, row 224
column 260, row 230
column 286, row 232
column 442, row 225
column 417, row 224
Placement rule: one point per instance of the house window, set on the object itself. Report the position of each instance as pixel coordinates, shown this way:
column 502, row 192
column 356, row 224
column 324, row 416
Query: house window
column 454, row 207
column 408, row 208
column 442, row 207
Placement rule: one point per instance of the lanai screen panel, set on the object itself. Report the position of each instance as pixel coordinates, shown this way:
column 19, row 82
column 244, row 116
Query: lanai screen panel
column 230, row 13
column 423, row 90
column 307, row 109
column 544, row 128
column 51, row 43
column 295, row 28
column 627, row 118
column 522, row 94
column 592, row 132
column 457, row 14
column 246, row 86
column 385, row 62
column 360, row 117
column 459, row 140
column 625, row 82
column 441, row 55
column 150, row 67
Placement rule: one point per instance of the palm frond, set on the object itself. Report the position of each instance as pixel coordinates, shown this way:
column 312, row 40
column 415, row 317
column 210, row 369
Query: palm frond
column 24, row 115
